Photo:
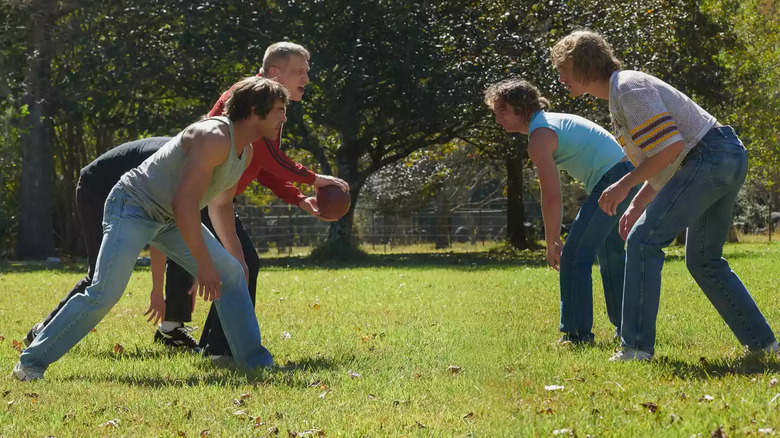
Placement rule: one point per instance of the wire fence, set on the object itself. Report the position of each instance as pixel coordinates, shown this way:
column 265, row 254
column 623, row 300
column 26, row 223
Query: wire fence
column 284, row 227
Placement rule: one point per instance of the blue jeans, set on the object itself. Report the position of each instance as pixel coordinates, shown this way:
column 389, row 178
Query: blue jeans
column 126, row 230
column 593, row 235
column 699, row 197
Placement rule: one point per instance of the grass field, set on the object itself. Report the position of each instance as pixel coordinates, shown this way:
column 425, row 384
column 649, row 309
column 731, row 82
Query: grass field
column 404, row 344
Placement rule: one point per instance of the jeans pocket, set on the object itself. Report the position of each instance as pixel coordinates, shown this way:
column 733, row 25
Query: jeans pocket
column 727, row 166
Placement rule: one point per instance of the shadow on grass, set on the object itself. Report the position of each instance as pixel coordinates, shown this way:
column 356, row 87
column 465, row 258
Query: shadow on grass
column 294, row 374
column 704, row 369
column 469, row 261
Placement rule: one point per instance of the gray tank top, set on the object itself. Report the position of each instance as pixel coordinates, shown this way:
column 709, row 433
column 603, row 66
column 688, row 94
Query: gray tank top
column 153, row 184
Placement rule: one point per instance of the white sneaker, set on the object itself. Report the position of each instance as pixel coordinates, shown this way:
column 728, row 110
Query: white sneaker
column 629, row 354
column 770, row 350
column 26, row 374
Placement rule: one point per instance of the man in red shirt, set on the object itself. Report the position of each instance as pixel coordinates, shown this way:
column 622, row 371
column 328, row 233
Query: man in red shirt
column 288, row 64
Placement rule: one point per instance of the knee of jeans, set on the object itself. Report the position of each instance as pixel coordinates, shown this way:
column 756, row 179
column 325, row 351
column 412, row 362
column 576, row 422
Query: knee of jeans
column 232, row 272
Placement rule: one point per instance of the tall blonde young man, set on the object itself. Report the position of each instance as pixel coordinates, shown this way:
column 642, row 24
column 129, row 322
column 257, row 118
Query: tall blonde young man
column 692, row 168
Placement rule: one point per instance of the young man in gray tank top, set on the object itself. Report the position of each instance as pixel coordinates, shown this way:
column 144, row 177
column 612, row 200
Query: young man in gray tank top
column 159, row 203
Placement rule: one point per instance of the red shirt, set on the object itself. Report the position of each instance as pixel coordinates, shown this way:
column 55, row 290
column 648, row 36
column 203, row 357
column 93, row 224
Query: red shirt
column 270, row 166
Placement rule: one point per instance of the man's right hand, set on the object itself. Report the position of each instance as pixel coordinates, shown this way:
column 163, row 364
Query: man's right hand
column 208, row 281
column 327, row 180
column 309, row 205
column 554, row 250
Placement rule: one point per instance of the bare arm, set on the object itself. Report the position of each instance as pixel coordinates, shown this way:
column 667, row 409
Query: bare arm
column 207, row 147
column 156, row 309
column 541, row 146
column 616, row 193
column 222, row 217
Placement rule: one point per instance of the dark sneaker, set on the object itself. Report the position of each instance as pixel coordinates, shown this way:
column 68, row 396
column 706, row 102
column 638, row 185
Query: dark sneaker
column 570, row 339
column 179, row 337
column 37, row 328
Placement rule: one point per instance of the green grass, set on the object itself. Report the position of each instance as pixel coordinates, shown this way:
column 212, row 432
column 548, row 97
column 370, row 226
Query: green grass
column 400, row 320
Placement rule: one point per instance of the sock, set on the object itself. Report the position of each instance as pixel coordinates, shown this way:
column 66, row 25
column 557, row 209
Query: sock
column 167, row 326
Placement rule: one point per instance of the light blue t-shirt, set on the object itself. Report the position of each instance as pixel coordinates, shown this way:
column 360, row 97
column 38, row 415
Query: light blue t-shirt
column 586, row 151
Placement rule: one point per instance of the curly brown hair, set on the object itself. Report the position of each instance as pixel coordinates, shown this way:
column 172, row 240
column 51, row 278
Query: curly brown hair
column 592, row 56
column 519, row 94
column 254, row 92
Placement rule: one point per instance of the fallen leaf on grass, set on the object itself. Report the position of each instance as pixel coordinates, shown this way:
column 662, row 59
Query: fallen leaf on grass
column 2, row 338
column 562, row 432
column 18, row 346
column 245, row 396
column 707, row 398
column 324, row 393
column 773, row 383
column 6, row 392
column 399, row 402
column 273, row 431
column 180, row 433
column 94, row 330
column 118, row 348
column 68, row 416
column 453, row 369
column 419, row 425
column 674, row 418
column 240, row 413
column 468, row 416
column 10, row 403
column 312, row 432
column 652, row 407
column 548, row 411
column 204, row 433
column 291, row 434
column 316, row 306
column 259, row 422
column 111, row 423
column 239, row 402
column 767, row 431
column 31, row 394
column 355, row 375
column 286, row 335
column 366, row 338
column 553, row 387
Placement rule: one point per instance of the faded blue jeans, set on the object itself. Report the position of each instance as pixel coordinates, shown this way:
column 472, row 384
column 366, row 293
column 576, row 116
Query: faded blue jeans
column 699, row 197
column 126, row 230
column 593, row 235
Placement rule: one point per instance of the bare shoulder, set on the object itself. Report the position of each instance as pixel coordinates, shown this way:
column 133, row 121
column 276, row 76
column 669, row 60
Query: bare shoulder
column 209, row 137
column 542, row 141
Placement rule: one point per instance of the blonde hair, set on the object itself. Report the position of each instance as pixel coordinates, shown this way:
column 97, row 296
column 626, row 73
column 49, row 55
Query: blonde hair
column 276, row 53
column 518, row 93
column 591, row 55
column 254, row 92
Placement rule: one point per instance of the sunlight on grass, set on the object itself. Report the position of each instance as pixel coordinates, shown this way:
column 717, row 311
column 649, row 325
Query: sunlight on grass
column 407, row 344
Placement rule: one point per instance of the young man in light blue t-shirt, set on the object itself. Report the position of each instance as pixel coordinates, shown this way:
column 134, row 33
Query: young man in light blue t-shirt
column 590, row 155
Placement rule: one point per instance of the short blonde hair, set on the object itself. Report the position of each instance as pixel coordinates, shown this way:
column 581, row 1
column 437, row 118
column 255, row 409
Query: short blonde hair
column 591, row 55
column 254, row 92
column 276, row 53
column 518, row 93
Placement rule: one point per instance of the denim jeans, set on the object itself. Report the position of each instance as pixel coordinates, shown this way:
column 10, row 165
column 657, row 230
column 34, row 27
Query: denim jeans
column 699, row 197
column 126, row 230
column 594, row 234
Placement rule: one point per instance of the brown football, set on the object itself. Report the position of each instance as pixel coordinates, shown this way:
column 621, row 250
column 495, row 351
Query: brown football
column 333, row 202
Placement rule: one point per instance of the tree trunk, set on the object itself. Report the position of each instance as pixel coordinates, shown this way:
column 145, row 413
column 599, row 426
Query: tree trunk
column 515, row 212
column 341, row 231
column 443, row 220
column 36, row 240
